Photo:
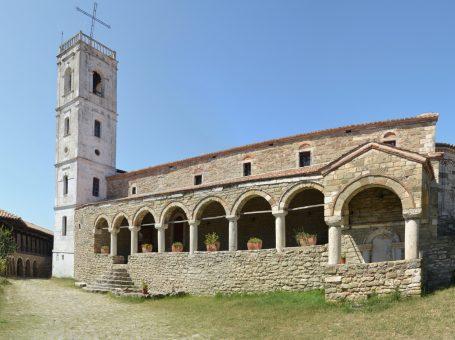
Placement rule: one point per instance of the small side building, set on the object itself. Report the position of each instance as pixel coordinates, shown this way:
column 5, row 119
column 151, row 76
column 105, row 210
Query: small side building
column 33, row 257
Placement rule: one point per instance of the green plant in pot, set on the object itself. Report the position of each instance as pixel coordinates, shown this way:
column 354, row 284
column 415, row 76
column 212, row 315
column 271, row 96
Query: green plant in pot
column 147, row 248
column 305, row 239
column 343, row 258
column 254, row 243
column 177, row 247
column 212, row 242
column 144, row 287
column 104, row 249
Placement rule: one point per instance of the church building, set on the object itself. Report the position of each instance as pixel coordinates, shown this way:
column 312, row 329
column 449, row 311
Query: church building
column 354, row 210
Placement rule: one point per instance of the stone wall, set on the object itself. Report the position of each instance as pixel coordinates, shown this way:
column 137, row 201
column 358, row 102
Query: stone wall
column 439, row 263
column 43, row 265
column 446, row 225
column 231, row 272
column 360, row 281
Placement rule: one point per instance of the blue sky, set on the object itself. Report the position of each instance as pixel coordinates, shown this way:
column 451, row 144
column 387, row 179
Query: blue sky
column 203, row 75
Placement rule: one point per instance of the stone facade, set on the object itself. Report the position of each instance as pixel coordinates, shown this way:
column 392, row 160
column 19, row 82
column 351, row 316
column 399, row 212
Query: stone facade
column 353, row 282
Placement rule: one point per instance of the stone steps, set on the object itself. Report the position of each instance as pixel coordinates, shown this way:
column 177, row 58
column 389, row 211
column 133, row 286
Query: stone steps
column 116, row 280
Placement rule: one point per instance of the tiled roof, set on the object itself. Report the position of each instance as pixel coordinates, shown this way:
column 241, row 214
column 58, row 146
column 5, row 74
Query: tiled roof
column 445, row 146
column 9, row 216
column 426, row 117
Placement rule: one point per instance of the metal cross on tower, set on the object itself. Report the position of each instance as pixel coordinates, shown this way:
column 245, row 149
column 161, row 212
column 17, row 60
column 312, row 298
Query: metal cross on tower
column 94, row 18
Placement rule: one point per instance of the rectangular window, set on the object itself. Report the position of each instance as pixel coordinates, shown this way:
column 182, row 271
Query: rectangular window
column 304, row 158
column 198, row 180
column 390, row 143
column 64, row 221
column 96, row 187
column 67, row 126
column 97, row 129
column 247, row 169
column 65, row 185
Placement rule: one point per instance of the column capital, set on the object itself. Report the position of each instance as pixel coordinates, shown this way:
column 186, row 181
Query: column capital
column 161, row 226
column 412, row 214
column 233, row 218
column 334, row 221
column 194, row 223
column 136, row 228
column 279, row 213
column 113, row 230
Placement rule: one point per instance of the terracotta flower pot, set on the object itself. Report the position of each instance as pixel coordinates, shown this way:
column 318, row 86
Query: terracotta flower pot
column 105, row 250
column 312, row 240
column 254, row 245
column 177, row 248
column 213, row 247
column 343, row 260
column 147, row 248
column 303, row 241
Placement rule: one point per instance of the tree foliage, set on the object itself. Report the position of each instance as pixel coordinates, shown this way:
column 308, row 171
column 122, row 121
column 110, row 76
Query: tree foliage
column 7, row 244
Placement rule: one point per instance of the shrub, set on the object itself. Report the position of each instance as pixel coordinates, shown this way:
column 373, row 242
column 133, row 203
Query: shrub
column 255, row 240
column 211, row 238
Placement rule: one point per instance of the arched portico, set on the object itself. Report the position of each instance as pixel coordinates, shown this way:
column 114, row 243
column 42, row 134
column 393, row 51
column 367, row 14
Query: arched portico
column 374, row 201
column 28, row 272
column 120, row 236
column 101, row 233
column 143, row 230
column 20, row 268
column 174, row 219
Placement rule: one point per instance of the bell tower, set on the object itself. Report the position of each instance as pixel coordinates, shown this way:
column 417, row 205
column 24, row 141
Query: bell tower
column 86, row 124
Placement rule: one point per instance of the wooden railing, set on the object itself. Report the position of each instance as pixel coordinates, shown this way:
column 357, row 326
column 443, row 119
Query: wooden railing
column 89, row 41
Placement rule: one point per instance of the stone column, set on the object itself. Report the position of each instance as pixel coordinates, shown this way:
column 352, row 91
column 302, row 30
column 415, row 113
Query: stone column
column 334, row 244
column 193, row 235
column 280, row 229
column 114, row 233
column 233, row 245
column 134, row 238
column 161, row 227
column 411, row 239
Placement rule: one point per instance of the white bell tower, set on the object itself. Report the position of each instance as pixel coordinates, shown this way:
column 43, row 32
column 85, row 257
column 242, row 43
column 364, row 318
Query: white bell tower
column 86, row 117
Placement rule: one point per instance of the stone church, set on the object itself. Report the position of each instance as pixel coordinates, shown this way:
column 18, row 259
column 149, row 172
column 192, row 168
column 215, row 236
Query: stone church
column 377, row 198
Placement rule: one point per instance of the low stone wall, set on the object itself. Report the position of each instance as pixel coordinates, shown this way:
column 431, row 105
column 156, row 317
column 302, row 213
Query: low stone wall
column 439, row 263
column 358, row 281
column 206, row 273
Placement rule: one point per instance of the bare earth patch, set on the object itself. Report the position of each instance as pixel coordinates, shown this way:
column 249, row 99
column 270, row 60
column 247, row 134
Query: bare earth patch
column 54, row 309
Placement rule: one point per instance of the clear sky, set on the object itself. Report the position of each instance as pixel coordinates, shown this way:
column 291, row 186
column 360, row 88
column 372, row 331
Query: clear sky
column 203, row 75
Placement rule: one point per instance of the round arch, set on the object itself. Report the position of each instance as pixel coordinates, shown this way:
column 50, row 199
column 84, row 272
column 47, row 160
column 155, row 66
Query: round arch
column 290, row 193
column 202, row 204
column 246, row 196
column 367, row 182
column 118, row 219
column 27, row 269
column 169, row 209
column 141, row 213
column 99, row 220
column 20, row 267
column 35, row 269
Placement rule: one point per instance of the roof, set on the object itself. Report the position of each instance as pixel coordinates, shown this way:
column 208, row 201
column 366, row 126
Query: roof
column 9, row 216
column 445, row 146
column 422, row 118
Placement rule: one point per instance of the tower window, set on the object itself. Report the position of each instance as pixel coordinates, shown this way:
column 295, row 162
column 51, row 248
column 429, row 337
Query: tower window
column 64, row 224
column 304, row 158
column 67, row 79
column 198, row 180
column 247, row 169
column 66, row 127
column 97, row 84
column 65, row 185
column 96, row 187
column 97, row 129
column 133, row 191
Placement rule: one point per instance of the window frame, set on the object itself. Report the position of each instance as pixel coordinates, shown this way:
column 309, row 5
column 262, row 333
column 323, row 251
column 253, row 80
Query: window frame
column 65, row 185
column 198, row 179
column 94, row 91
column 64, row 225
column 96, row 187
column 247, row 168
column 300, row 162
column 66, row 126
column 97, row 128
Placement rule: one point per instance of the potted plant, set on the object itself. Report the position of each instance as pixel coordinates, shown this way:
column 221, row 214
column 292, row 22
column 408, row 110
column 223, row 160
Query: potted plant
column 254, row 243
column 147, row 248
column 104, row 249
column 343, row 258
column 144, row 287
column 177, row 247
column 212, row 242
column 305, row 239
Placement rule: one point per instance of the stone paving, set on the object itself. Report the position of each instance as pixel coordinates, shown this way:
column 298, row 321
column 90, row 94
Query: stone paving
column 44, row 309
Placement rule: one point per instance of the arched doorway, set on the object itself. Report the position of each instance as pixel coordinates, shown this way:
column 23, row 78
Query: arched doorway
column 27, row 269
column 178, row 228
column 35, row 269
column 376, row 222
column 306, row 213
column 213, row 220
column 256, row 220
column 148, row 233
column 20, row 268
column 123, row 238
column 102, row 237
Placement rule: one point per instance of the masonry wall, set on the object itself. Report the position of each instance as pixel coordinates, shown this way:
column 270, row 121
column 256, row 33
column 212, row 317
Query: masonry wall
column 359, row 281
column 446, row 225
column 231, row 272
column 439, row 262
column 418, row 137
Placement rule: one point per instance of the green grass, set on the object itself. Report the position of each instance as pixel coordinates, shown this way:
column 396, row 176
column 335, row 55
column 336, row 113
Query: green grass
column 64, row 282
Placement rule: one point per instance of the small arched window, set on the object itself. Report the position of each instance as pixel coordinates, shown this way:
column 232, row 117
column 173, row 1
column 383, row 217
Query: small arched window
column 97, row 84
column 66, row 128
column 390, row 138
column 67, row 80
column 96, row 187
column 65, row 185
column 97, row 129
column 64, row 224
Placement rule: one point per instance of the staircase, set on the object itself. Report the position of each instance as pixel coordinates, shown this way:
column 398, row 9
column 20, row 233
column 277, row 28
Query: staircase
column 116, row 280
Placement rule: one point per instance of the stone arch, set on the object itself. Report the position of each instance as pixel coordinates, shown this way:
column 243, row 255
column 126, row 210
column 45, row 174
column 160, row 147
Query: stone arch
column 385, row 252
column 100, row 219
column 169, row 209
column 246, row 196
column 198, row 210
column 35, row 269
column 290, row 193
column 20, row 267
column 101, row 235
column 352, row 189
column 140, row 213
column 118, row 219
column 27, row 269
